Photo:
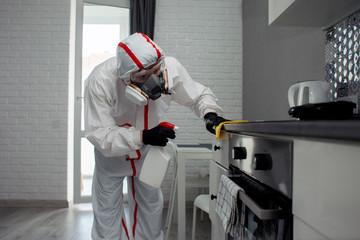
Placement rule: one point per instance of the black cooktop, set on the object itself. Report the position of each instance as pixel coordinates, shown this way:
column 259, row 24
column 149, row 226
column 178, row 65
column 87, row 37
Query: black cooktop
column 338, row 110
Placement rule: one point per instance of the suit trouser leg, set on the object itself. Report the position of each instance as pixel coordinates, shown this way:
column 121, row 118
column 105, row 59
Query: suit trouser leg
column 107, row 201
column 145, row 206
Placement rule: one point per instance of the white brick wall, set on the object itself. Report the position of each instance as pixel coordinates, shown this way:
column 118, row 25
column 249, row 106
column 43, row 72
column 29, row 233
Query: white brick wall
column 34, row 46
column 205, row 36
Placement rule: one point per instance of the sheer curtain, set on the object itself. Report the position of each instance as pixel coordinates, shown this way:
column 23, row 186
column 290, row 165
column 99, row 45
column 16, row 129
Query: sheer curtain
column 142, row 16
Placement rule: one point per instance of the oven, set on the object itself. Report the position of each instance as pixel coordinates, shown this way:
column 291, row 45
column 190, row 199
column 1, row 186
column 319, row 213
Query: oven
column 262, row 167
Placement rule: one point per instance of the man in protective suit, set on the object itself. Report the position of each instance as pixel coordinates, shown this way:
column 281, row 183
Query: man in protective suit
column 124, row 98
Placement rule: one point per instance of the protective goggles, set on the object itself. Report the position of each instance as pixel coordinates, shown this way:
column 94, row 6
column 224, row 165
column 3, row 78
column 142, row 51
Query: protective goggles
column 142, row 75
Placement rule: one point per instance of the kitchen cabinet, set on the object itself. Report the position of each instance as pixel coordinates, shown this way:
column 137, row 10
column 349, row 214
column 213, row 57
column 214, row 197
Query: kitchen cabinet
column 306, row 232
column 217, row 230
column 326, row 193
column 310, row 13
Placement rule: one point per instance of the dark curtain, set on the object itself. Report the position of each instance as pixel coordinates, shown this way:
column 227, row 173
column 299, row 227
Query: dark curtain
column 142, row 17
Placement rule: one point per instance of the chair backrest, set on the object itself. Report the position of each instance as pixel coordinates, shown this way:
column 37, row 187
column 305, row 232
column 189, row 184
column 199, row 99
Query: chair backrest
column 174, row 149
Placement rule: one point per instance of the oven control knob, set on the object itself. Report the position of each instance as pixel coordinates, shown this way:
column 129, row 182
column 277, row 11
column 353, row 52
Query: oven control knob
column 262, row 161
column 239, row 153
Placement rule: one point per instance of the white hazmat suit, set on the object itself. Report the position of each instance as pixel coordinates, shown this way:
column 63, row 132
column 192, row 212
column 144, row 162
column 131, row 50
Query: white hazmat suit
column 113, row 124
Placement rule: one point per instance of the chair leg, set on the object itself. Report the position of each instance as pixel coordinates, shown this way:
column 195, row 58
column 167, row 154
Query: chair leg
column 169, row 216
column 202, row 212
column 194, row 224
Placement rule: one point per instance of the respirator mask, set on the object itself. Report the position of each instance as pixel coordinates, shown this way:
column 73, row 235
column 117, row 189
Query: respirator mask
column 147, row 84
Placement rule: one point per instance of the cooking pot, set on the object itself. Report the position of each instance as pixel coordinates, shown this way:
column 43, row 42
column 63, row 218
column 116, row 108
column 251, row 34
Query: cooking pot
column 306, row 92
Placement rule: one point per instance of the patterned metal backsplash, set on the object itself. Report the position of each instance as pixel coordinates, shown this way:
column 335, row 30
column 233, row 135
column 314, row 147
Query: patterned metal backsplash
column 342, row 58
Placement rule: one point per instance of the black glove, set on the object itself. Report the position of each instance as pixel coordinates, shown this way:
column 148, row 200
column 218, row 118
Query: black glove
column 212, row 120
column 158, row 136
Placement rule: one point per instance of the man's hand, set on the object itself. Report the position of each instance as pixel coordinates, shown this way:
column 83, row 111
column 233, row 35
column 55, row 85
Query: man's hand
column 157, row 136
column 212, row 120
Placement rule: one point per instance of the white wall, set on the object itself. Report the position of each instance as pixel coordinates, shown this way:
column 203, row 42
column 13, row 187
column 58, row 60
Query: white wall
column 34, row 61
column 206, row 37
column 34, row 53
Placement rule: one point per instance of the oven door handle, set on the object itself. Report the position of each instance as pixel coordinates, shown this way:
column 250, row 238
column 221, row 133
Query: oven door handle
column 263, row 214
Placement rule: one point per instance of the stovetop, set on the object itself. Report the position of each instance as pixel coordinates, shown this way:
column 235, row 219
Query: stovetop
column 329, row 129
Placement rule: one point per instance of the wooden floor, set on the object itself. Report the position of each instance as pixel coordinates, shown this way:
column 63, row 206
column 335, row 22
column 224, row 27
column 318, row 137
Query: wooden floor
column 73, row 223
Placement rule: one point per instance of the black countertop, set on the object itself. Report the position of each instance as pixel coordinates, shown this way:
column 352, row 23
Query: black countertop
column 330, row 129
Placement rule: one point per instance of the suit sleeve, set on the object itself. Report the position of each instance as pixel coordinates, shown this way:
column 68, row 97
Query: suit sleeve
column 100, row 127
column 187, row 92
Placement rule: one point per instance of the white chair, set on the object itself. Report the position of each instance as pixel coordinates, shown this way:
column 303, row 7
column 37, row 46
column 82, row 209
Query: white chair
column 202, row 202
column 191, row 182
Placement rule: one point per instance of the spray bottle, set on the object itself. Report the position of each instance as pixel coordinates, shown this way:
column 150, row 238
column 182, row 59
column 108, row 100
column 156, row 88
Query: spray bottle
column 156, row 162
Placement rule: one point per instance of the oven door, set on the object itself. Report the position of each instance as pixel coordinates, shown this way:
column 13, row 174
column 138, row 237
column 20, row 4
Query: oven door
column 265, row 213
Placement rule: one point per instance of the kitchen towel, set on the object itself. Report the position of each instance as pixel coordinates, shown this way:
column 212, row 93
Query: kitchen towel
column 218, row 128
column 227, row 207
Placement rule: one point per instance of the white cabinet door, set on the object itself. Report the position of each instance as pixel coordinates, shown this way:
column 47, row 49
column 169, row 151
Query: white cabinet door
column 277, row 7
column 302, row 231
column 326, row 194
column 310, row 13
column 217, row 230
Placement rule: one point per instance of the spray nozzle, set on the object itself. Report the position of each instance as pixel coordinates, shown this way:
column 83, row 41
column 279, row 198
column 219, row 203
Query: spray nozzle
column 169, row 125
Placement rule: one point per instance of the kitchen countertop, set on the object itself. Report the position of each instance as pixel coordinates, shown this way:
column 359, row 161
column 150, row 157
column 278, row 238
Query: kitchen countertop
column 329, row 129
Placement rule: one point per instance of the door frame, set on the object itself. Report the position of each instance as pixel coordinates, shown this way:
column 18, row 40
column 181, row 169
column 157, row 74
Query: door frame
column 78, row 133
